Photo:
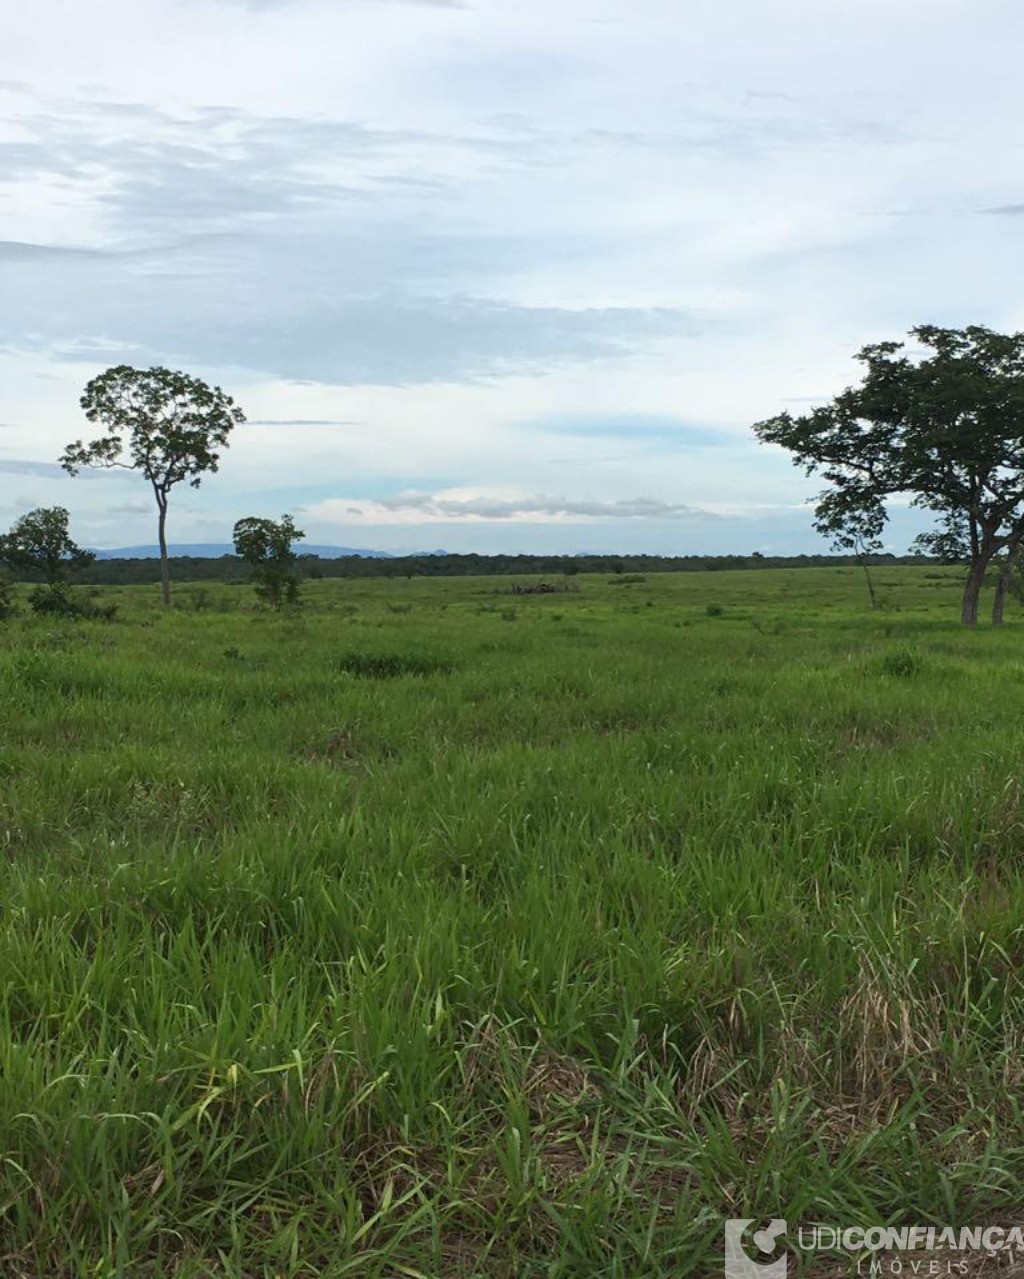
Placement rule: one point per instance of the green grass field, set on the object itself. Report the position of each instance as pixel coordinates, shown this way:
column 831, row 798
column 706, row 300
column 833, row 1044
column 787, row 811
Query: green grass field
column 442, row 932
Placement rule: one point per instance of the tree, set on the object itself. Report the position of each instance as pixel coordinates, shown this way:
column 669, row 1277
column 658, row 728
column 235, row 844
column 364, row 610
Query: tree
column 39, row 543
column 944, row 426
column 267, row 546
column 160, row 422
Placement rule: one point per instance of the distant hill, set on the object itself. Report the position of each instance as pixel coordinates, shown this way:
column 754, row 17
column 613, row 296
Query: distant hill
column 214, row 550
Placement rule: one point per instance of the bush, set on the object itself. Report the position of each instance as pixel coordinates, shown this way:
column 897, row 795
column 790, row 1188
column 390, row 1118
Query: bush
column 715, row 610
column 57, row 601
column 8, row 607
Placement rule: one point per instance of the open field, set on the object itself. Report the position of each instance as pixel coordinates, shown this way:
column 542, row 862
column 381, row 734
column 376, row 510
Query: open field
column 441, row 932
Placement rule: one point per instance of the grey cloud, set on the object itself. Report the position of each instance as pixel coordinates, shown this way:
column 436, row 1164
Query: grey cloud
column 490, row 508
column 252, row 311
column 233, row 241
column 25, row 251
column 214, row 166
column 138, row 507
column 24, row 466
column 217, row 169
column 1006, row 210
column 51, row 470
column 263, row 5
column 658, row 431
column 302, row 421
column 400, row 341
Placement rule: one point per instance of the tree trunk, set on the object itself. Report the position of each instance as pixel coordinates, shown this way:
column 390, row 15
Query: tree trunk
column 165, row 568
column 972, row 590
column 867, row 574
column 1003, row 584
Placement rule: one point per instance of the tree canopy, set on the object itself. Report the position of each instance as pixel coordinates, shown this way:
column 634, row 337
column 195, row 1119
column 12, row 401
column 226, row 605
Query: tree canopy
column 267, row 545
column 160, row 422
column 943, row 424
column 40, row 544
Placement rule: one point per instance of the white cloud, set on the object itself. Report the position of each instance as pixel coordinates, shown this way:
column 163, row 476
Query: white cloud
column 444, row 507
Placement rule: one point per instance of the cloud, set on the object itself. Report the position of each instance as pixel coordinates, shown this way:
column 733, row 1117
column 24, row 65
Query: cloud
column 391, row 339
column 214, row 167
column 302, row 421
column 24, row 251
column 29, row 466
column 301, row 248
column 658, row 429
column 1006, row 210
column 260, row 6
column 441, row 507
column 25, row 466
column 135, row 507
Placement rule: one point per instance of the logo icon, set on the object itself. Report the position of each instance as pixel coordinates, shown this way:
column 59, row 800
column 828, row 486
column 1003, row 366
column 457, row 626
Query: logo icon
column 754, row 1261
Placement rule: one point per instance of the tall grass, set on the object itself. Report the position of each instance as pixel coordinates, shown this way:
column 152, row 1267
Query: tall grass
column 410, row 937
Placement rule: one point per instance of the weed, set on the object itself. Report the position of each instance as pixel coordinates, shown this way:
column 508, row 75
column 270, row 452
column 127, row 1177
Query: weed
column 392, row 665
column 902, row 662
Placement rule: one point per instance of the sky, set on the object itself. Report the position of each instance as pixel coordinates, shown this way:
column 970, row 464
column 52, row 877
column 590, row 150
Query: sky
column 489, row 276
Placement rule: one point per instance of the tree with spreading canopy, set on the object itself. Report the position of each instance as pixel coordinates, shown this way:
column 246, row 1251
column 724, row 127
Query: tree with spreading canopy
column 40, row 544
column 161, row 422
column 267, row 545
column 943, row 425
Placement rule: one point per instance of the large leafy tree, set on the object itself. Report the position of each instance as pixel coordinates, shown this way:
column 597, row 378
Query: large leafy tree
column 943, row 425
column 164, row 424
column 40, row 543
column 268, row 546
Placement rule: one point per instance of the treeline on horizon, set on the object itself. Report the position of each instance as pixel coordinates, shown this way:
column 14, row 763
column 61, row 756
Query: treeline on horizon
column 232, row 570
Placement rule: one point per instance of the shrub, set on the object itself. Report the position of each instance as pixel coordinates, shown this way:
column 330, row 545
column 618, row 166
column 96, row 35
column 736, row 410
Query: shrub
column 8, row 607
column 715, row 610
column 57, row 601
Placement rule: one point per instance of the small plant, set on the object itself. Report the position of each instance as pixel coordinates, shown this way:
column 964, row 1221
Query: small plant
column 392, row 665
column 715, row 610
column 508, row 614
column 902, row 663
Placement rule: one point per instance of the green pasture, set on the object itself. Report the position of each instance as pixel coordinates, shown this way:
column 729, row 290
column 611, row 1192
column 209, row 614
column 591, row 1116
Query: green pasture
column 436, row 931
